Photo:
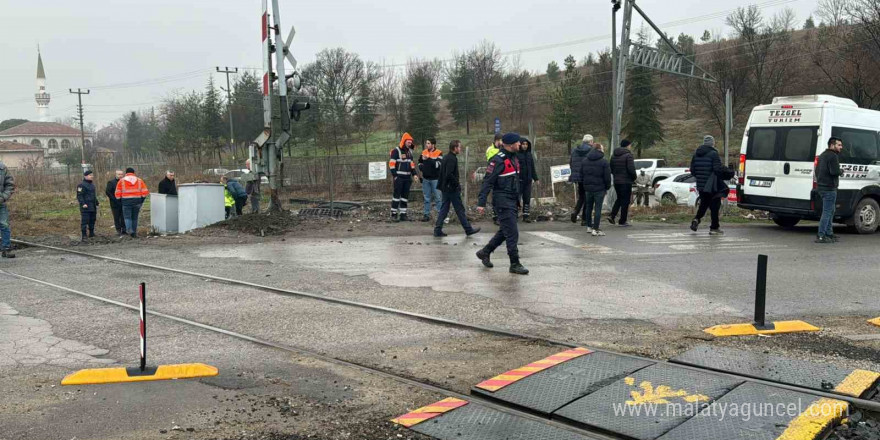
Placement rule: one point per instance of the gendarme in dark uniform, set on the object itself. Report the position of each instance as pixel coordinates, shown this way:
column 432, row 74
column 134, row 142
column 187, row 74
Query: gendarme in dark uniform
column 502, row 179
column 87, row 197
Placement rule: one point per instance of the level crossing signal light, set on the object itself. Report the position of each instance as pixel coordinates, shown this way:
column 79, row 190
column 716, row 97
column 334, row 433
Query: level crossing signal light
column 294, row 82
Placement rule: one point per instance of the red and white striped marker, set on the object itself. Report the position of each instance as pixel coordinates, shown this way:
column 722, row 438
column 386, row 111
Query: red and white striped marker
column 143, row 327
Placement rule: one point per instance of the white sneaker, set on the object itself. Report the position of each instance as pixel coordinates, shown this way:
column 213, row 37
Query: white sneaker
column 589, row 230
column 595, row 233
column 446, row 222
column 598, row 233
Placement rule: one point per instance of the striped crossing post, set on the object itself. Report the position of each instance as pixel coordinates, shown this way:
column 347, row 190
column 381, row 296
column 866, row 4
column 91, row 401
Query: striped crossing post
column 143, row 326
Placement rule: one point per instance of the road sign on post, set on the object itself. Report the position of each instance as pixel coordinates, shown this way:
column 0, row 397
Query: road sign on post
column 497, row 125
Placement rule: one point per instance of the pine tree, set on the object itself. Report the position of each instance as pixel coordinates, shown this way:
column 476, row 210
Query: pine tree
column 553, row 71
column 706, row 36
column 566, row 101
column 809, row 24
column 421, row 101
column 212, row 128
column 642, row 124
column 133, row 136
column 460, row 93
column 364, row 113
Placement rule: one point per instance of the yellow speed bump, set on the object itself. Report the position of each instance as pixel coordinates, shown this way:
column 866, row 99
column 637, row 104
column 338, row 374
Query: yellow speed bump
column 96, row 376
column 751, row 330
column 875, row 321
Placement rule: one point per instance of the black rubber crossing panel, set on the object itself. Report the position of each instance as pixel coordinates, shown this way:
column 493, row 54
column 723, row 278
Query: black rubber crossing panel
column 546, row 391
column 477, row 422
column 754, row 412
column 648, row 403
column 804, row 374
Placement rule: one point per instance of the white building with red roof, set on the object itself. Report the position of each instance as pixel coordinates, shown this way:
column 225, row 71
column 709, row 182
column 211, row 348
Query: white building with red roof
column 52, row 137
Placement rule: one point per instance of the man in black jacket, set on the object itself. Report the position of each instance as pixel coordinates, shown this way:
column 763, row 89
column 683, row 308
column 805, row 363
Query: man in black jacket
column 167, row 185
column 827, row 179
column 574, row 164
column 450, row 187
column 706, row 167
column 87, row 198
column 528, row 173
column 502, row 179
column 116, row 204
column 596, row 174
column 623, row 167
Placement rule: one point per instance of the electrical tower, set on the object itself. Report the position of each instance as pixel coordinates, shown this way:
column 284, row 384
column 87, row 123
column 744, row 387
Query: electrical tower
column 670, row 60
column 265, row 151
column 82, row 131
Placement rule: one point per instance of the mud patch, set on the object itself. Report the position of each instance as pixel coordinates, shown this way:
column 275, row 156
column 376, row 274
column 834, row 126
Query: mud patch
column 264, row 224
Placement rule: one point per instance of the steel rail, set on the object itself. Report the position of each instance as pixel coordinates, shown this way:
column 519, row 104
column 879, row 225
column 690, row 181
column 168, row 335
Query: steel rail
column 865, row 404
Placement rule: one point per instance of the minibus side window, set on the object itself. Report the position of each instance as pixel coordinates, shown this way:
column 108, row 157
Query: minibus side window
column 800, row 144
column 860, row 147
column 762, row 144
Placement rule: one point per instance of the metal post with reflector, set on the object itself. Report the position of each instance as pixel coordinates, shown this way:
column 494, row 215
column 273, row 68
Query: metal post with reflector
column 142, row 373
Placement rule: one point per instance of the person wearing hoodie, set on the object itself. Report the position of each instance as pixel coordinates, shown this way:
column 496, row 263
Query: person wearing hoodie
column 706, row 167
column 402, row 171
column 493, row 149
column 429, row 167
column 528, row 173
column 577, row 156
column 596, row 175
column 623, row 167
column 132, row 191
column 87, row 198
column 7, row 188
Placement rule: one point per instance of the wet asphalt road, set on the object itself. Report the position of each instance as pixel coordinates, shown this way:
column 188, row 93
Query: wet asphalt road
column 616, row 291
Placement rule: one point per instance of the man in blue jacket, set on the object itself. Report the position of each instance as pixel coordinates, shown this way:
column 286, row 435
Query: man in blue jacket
column 87, row 198
column 502, row 179
column 238, row 193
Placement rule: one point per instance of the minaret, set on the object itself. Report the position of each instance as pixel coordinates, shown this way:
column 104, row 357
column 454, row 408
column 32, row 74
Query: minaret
column 41, row 96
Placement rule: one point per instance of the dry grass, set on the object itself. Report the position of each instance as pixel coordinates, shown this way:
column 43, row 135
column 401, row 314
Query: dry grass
column 39, row 214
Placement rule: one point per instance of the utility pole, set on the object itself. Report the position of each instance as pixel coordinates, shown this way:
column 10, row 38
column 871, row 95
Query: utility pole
column 82, row 130
column 229, row 108
column 615, row 133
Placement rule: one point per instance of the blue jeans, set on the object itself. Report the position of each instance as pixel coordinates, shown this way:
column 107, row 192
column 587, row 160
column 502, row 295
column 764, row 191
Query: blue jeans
column 452, row 199
column 829, row 201
column 131, row 209
column 5, row 233
column 429, row 189
column 593, row 208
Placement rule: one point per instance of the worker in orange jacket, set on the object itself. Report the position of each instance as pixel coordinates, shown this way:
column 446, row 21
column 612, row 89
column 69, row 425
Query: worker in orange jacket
column 132, row 191
column 403, row 171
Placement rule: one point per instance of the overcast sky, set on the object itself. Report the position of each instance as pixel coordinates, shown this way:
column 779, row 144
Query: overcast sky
column 133, row 53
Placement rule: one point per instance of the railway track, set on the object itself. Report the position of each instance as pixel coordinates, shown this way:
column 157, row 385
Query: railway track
column 858, row 403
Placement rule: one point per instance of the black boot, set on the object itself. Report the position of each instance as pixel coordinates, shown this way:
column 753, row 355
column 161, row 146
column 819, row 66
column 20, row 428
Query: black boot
column 472, row 231
column 527, row 219
column 440, row 233
column 7, row 253
column 403, row 218
column 394, row 218
column 516, row 267
column 484, row 257
column 91, row 234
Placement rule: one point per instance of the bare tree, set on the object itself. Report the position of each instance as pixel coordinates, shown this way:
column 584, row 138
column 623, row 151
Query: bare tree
column 849, row 55
column 337, row 76
column 833, row 12
column 760, row 46
column 720, row 58
column 487, row 65
column 512, row 96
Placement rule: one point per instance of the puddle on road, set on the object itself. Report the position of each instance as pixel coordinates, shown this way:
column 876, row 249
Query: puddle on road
column 564, row 283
